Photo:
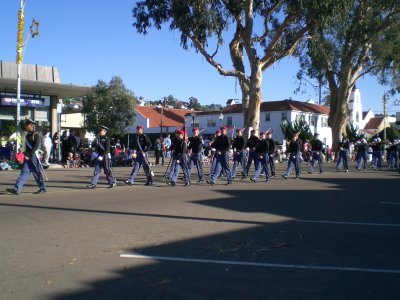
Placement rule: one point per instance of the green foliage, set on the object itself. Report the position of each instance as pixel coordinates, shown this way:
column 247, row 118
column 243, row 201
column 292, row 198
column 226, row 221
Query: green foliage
column 109, row 104
column 353, row 133
column 211, row 107
column 10, row 127
column 299, row 125
column 391, row 134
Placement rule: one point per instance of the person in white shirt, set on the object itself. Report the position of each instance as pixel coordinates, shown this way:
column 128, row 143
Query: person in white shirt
column 47, row 144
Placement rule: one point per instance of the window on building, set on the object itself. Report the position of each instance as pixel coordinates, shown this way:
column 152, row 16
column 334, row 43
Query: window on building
column 284, row 116
column 300, row 117
column 357, row 117
column 312, row 120
column 324, row 122
column 229, row 121
column 267, row 117
column 211, row 123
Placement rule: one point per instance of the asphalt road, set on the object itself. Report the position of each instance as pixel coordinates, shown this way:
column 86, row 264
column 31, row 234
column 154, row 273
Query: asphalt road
column 329, row 236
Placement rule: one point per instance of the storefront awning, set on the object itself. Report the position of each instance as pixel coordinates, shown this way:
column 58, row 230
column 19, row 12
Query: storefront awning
column 43, row 88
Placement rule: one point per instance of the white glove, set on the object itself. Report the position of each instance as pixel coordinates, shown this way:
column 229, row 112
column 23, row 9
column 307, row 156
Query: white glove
column 100, row 158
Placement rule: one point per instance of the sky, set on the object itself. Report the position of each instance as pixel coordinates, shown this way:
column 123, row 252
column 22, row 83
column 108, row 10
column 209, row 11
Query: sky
column 94, row 40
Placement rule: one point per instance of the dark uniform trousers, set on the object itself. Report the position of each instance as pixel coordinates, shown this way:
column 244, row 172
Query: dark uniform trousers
column 104, row 164
column 239, row 157
column 221, row 165
column 196, row 159
column 316, row 157
column 262, row 166
column 183, row 163
column 30, row 166
column 140, row 161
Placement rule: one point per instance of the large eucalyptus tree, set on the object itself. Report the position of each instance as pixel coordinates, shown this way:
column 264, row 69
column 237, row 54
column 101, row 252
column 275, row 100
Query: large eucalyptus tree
column 260, row 33
column 363, row 38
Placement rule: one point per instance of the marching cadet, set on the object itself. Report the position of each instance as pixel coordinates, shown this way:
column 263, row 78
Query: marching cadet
column 103, row 159
column 317, row 148
column 31, row 163
column 361, row 149
column 213, row 157
column 261, row 158
column 239, row 156
column 141, row 147
column 251, row 146
column 294, row 156
column 344, row 146
column 170, row 170
column 377, row 148
column 180, row 160
column 196, row 156
column 271, row 152
column 221, row 145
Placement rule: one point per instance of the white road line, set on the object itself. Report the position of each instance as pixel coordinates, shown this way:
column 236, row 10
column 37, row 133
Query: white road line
column 390, row 203
column 349, row 223
column 255, row 264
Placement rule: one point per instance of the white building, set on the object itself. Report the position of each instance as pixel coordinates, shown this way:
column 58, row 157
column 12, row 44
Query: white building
column 272, row 114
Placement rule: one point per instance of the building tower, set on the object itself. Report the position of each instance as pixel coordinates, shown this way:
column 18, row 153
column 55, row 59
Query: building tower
column 355, row 108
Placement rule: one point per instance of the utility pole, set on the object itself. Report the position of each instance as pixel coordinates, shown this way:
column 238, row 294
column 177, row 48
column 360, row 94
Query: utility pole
column 20, row 55
column 384, row 116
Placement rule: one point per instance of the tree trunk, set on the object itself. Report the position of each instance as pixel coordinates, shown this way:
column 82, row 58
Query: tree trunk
column 339, row 114
column 252, row 99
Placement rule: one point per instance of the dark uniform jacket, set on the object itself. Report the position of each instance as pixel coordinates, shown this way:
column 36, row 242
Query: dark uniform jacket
column 252, row 142
column 344, row 144
column 143, row 143
column 294, row 148
column 32, row 143
column 361, row 148
column 238, row 143
column 195, row 144
column 262, row 147
column 179, row 149
column 271, row 146
column 102, row 145
column 221, row 143
column 317, row 145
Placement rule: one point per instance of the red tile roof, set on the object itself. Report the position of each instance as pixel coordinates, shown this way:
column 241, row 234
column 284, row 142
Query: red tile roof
column 374, row 123
column 283, row 105
column 171, row 117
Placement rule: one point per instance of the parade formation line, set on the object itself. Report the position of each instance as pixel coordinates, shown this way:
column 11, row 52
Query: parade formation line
column 259, row 264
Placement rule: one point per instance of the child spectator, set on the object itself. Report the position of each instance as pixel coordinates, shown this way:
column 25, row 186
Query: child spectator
column 70, row 161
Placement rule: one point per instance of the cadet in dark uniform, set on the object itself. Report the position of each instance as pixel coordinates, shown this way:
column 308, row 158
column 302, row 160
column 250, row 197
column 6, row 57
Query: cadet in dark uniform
column 251, row 144
column 180, row 160
column 142, row 145
column 103, row 160
column 261, row 158
column 271, row 152
column 239, row 157
column 221, row 145
column 316, row 153
column 294, row 156
column 196, row 155
column 31, row 163
column 377, row 148
column 344, row 146
column 361, row 149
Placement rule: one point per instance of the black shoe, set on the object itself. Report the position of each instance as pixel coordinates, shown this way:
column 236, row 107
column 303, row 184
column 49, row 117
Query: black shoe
column 187, row 183
column 201, row 180
column 172, row 183
column 321, row 172
column 229, row 183
column 284, row 176
column 148, row 183
column 12, row 191
column 112, row 185
column 268, row 179
column 128, row 182
column 309, row 172
column 297, row 177
column 91, row 186
column 243, row 177
column 210, row 182
column 252, row 179
column 181, row 179
column 40, row 191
